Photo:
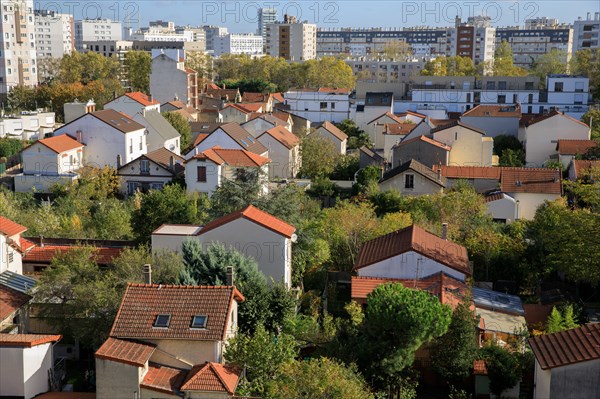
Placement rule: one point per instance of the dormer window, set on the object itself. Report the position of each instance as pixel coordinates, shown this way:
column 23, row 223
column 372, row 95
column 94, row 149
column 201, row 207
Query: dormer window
column 162, row 321
column 199, row 321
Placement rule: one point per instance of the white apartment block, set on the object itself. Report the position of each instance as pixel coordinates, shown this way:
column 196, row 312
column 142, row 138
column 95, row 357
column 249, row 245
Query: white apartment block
column 319, row 105
column 18, row 64
column 54, row 34
column 92, row 30
column 210, row 32
column 475, row 39
column 234, row 43
column 586, row 33
column 384, row 70
column 266, row 16
column 291, row 40
column 530, row 44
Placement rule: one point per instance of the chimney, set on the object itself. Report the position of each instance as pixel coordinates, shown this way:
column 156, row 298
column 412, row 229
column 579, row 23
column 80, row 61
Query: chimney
column 445, row 231
column 150, row 98
column 78, row 136
column 439, row 173
column 230, row 276
column 41, row 241
column 171, row 162
column 224, row 86
column 147, row 274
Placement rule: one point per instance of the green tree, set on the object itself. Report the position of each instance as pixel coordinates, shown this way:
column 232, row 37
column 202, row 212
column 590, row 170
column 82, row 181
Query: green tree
column 263, row 355
column 169, row 205
column 78, row 298
column 510, row 157
column 592, row 118
column 553, row 62
column 10, row 147
column 504, row 370
column 235, row 194
column 398, row 321
column 453, row 353
column 367, row 179
column 255, row 85
column 397, row 50
column 356, row 136
column 180, row 124
column 449, row 66
column 166, row 265
column 329, row 72
column 201, row 63
column 319, row 156
column 503, row 64
column 561, row 320
column 321, row 378
column 137, row 65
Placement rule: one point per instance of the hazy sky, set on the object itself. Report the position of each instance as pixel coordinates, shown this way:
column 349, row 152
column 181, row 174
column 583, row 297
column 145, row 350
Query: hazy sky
column 240, row 16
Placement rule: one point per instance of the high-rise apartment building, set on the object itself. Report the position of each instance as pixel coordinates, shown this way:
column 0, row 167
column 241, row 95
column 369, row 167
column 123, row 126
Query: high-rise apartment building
column 474, row 39
column 266, row 16
column 530, row 44
column 90, row 30
column 292, row 40
column 54, row 34
column 18, row 64
column 586, row 32
column 211, row 32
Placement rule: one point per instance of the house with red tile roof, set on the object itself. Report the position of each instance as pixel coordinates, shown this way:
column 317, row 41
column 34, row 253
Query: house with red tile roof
column 167, row 341
column 412, row 253
column 26, row 364
column 495, row 119
column 584, row 170
column 207, row 170
column 412, row 178
column 375, row 127
column 567, row 363
column 13, row 312
column 133, row 103
column 241, row 112
column 251, row 231
column 228, row 135
column 151, row 171
column 319, row 105
column 284, row 152
column 12, row 246
column 540, row 135
column 332, row 133
column 259, row 123
column 50, row 161
column 111, row 138
column 568, row 149
column 470, row 146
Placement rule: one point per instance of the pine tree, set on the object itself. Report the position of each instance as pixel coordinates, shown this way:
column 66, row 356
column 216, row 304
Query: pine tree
column 568, row 318
column 554, row 322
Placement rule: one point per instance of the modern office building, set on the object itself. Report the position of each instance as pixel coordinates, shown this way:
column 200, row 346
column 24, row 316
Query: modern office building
column 292, row 40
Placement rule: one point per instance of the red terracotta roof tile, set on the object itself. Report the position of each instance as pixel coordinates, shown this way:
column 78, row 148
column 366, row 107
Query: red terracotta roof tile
column 10, row 228
column 426, row 140
column 479, row 367
column 532, row 120
column 11, row 301
column 126, row 351
column 399, row 129
column 232, row 157
column 414, row 238
column 60, row 143
column 577, row 345
column 163, row 379
column 470, row 172
column 390, row 115
column 573, row 147
column 141, row 98
column 278, row 97
column 27, row 340
column 142, row 303
column 284, row 136
column 497, row 111
column 45, row 254
column 583, row 167
column 212, row 377
column 251, row 97
column 282, row 116
column 254, row 215
column 530, row 180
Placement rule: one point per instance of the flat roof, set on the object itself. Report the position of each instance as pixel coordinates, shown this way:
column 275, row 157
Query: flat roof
column 177, row 229
column 500, row 322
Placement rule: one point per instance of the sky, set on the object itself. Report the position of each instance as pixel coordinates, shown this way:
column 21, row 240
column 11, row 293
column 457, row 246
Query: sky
column 240, row 16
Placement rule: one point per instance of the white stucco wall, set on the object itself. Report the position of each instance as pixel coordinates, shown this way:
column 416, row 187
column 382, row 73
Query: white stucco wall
column 340, row 145
column 232, row 114
column 40, row 159
column 24, row 371
column 6, row 250
column 422, row 185
column 213, row 177
column 529, row 203
column 115, row 380
column 12, row 382
column 168, row 82
column 505, row 208
column 409, row 265
column 104, row 143
column 284, row 161
column 307, row 105
column 540, row 138
column 131, row 173
column 493, row 126
column 218, row 137
column 467, row 146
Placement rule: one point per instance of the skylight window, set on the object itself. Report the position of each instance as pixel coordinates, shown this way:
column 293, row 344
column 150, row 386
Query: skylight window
column 199, row 321
column 251, row 139
column 162, row 321
column 244, row 143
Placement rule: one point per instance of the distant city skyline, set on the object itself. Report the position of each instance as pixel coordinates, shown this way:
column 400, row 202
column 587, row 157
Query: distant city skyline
column 241, row 16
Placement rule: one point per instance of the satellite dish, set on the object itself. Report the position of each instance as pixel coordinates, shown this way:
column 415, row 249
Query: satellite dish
column 294, row 238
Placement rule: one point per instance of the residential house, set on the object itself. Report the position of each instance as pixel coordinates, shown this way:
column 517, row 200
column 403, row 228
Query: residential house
column 501, row 315
column 284, row 152
column 167, row 341
column 569, row 149
column 29, row 125
column 393, row 134
column 300, row 125
column 170, row 78
column 567, row 363
column 501, row 206
column 133, row 103
column 368, row 157
column 422, row 149
column 251, row 231
column 161, row 134
column 373, row 105
column 375, row 127
column 189, row 113
column 413, row 178
column 332, row 133
column 240, row 113
column 111, row 138
column 483, row 178
column 26, row 364
column 495, row 120
column 151, row 171
column 47, row 162
column 259, row 123
column 469, row 145
column 12, row 246
column 319, row 105
column 77, row 109
column 540, row 135
column 223, row 93
column 412, row 253
column 265, row 98
column 13, row 312
column 583, row 170
column 229, row 135
column 206, row 170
